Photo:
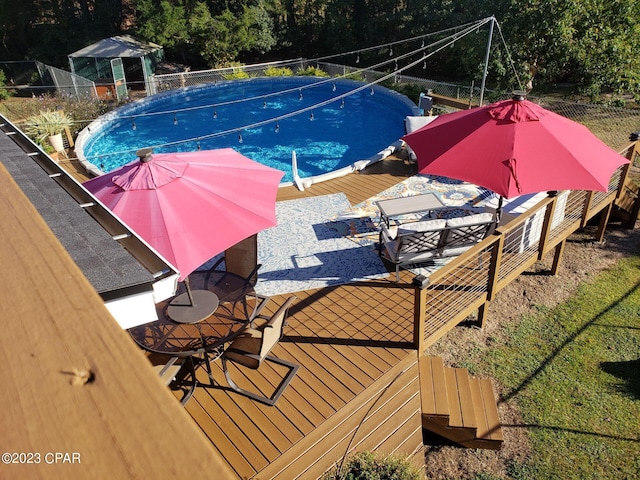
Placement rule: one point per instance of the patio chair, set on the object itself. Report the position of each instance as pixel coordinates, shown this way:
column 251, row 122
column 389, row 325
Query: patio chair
column 252, row 347
column 241, row 259
column 420, row 242
column 171, row 372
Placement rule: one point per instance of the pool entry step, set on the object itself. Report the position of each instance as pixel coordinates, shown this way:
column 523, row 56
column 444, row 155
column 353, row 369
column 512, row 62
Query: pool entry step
column 457, row 406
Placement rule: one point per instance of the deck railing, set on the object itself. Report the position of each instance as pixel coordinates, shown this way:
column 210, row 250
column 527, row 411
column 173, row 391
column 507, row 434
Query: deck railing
column 466, row 285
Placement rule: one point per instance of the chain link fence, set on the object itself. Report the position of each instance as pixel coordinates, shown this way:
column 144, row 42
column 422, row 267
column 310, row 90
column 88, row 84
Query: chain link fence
column 66, row 83
column 171, row 81
column 613, row 125
column 38, row 77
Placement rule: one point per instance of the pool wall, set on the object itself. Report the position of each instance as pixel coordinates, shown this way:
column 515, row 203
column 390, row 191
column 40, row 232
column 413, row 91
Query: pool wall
column 135, row 108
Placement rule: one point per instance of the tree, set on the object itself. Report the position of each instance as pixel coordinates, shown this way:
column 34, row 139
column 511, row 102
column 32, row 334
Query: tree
column 204, row 36
column 591, row 43
column 164, row 24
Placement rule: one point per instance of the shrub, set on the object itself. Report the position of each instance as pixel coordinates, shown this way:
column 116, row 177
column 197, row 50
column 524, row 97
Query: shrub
column 368, row 466
column 4, row 93
column 311, row 72
column 237, row 74
column 411, row 90
column 356, row 76
column 278, row 72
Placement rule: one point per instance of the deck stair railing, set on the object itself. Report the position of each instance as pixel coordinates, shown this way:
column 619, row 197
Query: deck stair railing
column 466, row 286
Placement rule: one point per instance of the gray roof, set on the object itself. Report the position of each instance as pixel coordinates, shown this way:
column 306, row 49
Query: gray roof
column 106, row 264
column 122, row 46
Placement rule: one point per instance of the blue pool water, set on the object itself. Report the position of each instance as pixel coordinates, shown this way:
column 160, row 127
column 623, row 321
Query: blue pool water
column 325, row 138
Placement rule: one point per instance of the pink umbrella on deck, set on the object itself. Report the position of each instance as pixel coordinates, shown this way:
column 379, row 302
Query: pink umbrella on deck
column 514, row 147
column 191, row 206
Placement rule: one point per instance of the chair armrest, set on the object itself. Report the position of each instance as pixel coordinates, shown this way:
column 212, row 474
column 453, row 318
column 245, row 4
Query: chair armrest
column 262, row 301
column 386, row 234
column 168, row 365
column 253, row 273
column 212, row 269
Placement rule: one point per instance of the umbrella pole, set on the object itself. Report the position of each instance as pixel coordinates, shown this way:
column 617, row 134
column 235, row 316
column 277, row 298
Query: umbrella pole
column 189, row 294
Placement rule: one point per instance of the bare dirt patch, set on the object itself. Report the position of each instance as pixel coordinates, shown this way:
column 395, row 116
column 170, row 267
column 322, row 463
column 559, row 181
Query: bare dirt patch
column 583, row 259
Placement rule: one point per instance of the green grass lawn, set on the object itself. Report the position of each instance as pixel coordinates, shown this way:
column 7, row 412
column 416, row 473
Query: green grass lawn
column 574, row 372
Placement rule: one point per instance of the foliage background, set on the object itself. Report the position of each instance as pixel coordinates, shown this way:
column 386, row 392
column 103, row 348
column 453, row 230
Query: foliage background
column 591, row 44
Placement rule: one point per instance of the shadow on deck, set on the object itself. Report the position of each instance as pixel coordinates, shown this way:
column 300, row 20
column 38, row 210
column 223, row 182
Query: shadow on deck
column 357, row 386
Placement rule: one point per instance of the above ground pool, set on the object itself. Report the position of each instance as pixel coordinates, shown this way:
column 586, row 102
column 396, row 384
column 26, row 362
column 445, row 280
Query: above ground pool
column 330, row 124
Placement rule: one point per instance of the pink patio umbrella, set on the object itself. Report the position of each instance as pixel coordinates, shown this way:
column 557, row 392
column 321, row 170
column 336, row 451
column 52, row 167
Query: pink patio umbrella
column 191, row 206
column 514, row 147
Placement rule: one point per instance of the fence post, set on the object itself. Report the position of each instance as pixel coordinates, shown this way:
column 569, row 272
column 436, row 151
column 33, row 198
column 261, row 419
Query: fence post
column 546, row 224
column 602, row 225
column 557, row 256
column 588, row 200
column 492, row 276
column 634, row 151
column 419, row 311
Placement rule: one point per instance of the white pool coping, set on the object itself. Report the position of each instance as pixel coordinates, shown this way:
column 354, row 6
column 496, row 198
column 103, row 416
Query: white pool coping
column 300, row 183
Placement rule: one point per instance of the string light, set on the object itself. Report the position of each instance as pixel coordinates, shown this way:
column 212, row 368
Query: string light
column 198, row 146
column 334, row 89
column 311, row 117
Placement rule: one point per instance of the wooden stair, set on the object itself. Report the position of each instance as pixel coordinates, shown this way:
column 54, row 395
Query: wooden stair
column 457, row 406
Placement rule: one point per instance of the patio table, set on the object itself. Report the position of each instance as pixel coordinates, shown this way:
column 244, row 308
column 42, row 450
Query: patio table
column 204, row 337
column 395, row 207
column 193, row 307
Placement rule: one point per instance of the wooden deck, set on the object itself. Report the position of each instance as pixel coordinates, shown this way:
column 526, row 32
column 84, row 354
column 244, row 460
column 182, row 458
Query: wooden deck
column 358, row 345
column 357, row 387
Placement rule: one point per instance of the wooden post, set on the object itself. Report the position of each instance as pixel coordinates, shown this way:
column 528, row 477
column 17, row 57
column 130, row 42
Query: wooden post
column 492, row 276
column 588, row 200
column 557, row 256
column 602, row 225
column 494, row 266
column 632, row 154
column 419, row 314
column 546, row 225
